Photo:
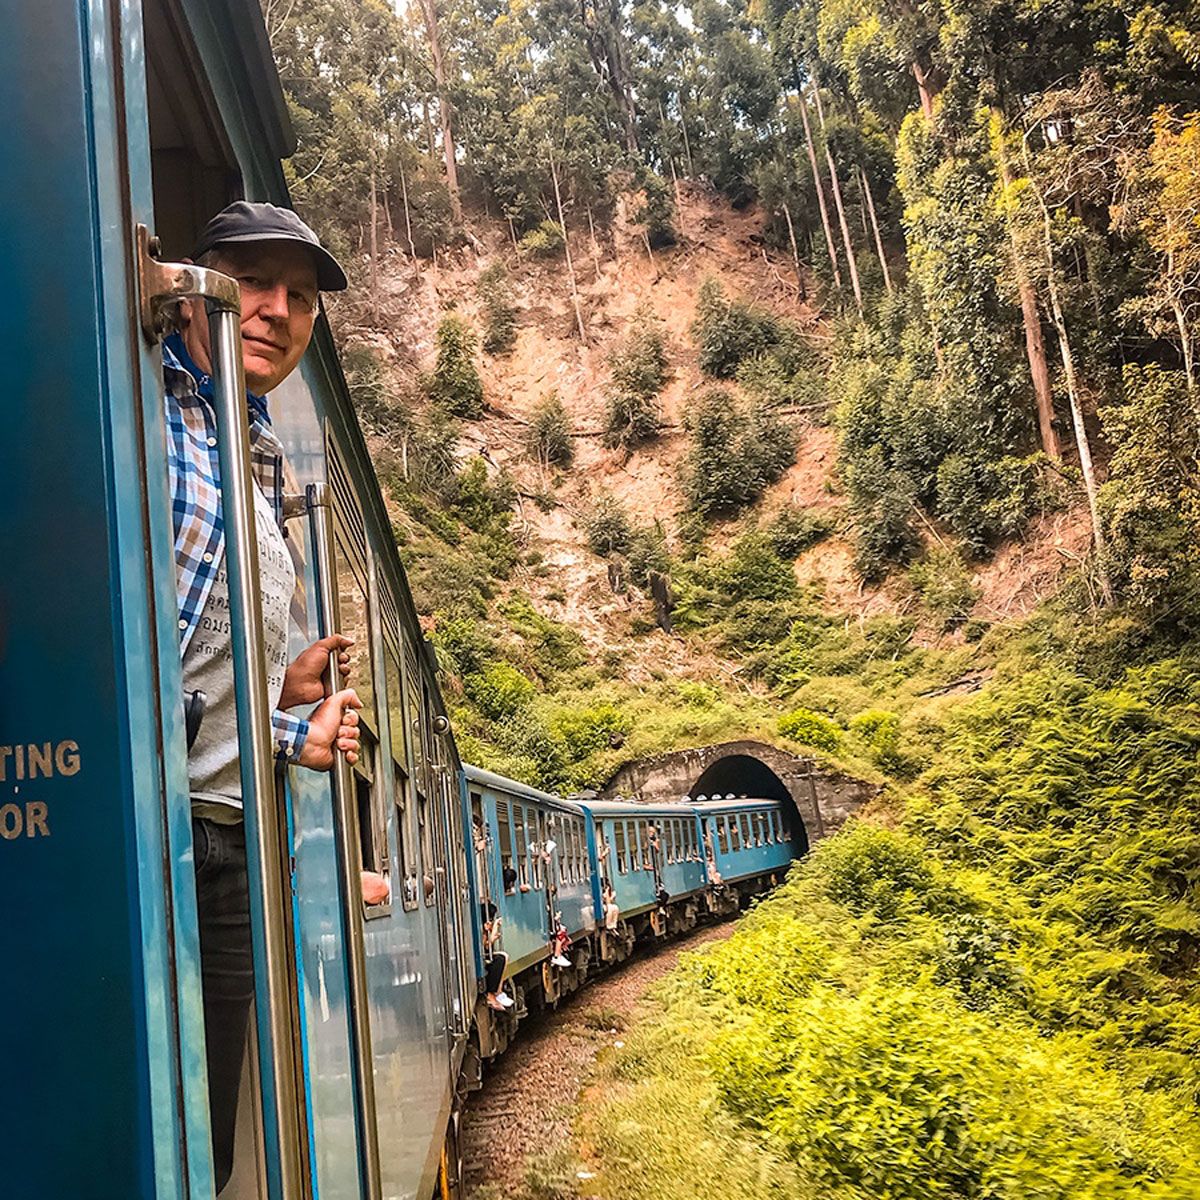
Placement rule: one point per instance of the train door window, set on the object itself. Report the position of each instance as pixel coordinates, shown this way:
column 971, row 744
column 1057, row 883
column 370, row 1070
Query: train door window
column 576, row 864
column 722, row 836
column 756, row 827
column 572, row 850
column 680, row 848
column 480, row 846
column 619, row 845
column 647, row 847
column 522, row 855
column 428, row 861
column 635, row 856
column 581, row 845
column 507, row 870
column 735, row 837
column 406, row 853
column 695, row 840
column 777, row 819
column 537, row 840
column 746, row 830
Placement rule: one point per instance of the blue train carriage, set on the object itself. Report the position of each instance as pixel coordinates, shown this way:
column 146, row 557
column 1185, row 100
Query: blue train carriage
column 531, row 861
column 749, row 843
column 127, row 121
column 652, row 856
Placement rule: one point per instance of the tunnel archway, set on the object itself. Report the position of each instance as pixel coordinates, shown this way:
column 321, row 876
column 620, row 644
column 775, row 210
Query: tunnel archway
column 822, row 799
column 745, row 775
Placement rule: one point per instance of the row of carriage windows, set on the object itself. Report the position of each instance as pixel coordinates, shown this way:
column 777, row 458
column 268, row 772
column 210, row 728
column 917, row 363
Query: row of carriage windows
column 534, row 845
column 524, row 835
column 401, row 757
column 736, row 831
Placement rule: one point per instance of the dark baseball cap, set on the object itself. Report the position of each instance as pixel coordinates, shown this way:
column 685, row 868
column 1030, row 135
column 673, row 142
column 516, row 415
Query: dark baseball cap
column 245, row 221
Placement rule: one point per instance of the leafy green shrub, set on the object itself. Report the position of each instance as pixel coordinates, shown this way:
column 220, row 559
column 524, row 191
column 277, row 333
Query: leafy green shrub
column 498, row 690
column 587, row 731
column 811, row 729
column 1151, row 503
column 629, row 420
column 985, row 499
column 798, row 529
column 646, row 551
column 607, row 527
column 454, row 382
column 788, row 372
column 945, row 588
column 462, row 645
column 882, row 502
column 871, row 869
column 655, row 212
column 880, row 731
column 544, row 241
column 499, row 312
column 729, row 332
column 638, row 364
column 550, row 433
column 734, row 455
column 481, row 503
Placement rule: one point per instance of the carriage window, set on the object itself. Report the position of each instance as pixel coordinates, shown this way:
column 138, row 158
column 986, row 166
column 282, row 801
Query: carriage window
column 537, row 847
column 635, row 853
column 777, row 819
column 735, row 837
column 746, row 830
column 722, row 837
column 522, row 854
column 576, row 851
column 619, row 844
column 428, row 863
column 756, row 826
column 506, row 845
column 681, row 850
column 405, row 840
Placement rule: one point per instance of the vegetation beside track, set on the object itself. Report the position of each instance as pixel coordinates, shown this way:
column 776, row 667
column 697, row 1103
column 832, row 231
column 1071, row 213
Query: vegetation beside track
column 989, row 991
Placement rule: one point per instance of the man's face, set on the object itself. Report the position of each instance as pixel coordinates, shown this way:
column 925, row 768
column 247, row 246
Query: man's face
column 279, row 306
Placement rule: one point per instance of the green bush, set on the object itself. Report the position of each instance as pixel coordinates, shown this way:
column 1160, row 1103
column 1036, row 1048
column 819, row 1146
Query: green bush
column 482, row 503
column 880, row 731
column 607, row 527
column 499, row 312
column 733, row 455
column 945, row 588
column 638, row 365
column 811, row 729
column 498, row 690
column 798, row 529
column 655, row 212
column 871, row 869
column 550, row 433
column 544, row 241
column 629, row 420
column 729, row 332
column 454, row 382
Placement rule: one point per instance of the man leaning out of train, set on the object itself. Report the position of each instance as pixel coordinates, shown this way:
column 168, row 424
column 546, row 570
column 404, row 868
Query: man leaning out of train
column 281, row 267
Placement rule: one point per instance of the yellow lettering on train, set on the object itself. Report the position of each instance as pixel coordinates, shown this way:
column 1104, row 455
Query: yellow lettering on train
column 32, row 820
column 39, row 760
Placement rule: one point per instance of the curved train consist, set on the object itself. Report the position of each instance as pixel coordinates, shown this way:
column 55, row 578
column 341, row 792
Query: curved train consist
column 128, row 123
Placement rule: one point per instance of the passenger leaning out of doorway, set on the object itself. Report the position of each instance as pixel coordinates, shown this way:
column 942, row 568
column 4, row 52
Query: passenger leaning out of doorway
column 280, row 267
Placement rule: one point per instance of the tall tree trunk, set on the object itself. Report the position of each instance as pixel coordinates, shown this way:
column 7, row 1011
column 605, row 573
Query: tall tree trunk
column 1068, row 360
column 592, row 238
column 562, row 223
column 374, row 244
column 687, row 145
column 866, row 186
column 1035, row 346
column 412, row 249
column 812, row 162
column 837, row 200
column 662, row 118
column 924, row 90
column 603, row 37
column 429, row 9
column 1185, row 343
column 787, row 216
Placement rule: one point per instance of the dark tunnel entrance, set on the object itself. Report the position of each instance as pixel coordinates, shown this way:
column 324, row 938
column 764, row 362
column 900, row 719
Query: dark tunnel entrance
column 740, row 775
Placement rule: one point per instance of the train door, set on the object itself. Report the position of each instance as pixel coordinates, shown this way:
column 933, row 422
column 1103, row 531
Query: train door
column 94, row 765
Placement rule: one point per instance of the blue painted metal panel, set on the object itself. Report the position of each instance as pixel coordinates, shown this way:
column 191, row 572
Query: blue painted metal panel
column 737, row 860
column 79, row 639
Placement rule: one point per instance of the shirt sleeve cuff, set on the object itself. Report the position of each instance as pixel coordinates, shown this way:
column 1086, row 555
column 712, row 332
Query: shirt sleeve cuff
column 289, row 734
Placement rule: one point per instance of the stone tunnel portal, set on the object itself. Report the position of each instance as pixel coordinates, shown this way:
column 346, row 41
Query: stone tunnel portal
column 821, row 799
column 744, row 775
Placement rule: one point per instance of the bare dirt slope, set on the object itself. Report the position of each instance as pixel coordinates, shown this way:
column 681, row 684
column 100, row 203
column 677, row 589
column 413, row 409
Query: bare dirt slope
column 615, row 276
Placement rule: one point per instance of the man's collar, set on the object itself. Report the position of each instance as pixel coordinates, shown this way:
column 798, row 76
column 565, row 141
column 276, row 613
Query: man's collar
column 175, row 355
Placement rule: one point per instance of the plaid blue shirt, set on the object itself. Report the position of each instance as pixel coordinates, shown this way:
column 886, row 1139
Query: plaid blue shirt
column 195, row 478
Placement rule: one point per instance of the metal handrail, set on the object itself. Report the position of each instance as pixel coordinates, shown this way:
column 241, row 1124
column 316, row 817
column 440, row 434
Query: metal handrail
column 348, row 863
column 160, row 286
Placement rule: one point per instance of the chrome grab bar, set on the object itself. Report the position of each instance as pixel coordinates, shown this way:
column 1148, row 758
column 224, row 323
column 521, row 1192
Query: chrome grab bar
column 160, row 285
column 349, row 859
